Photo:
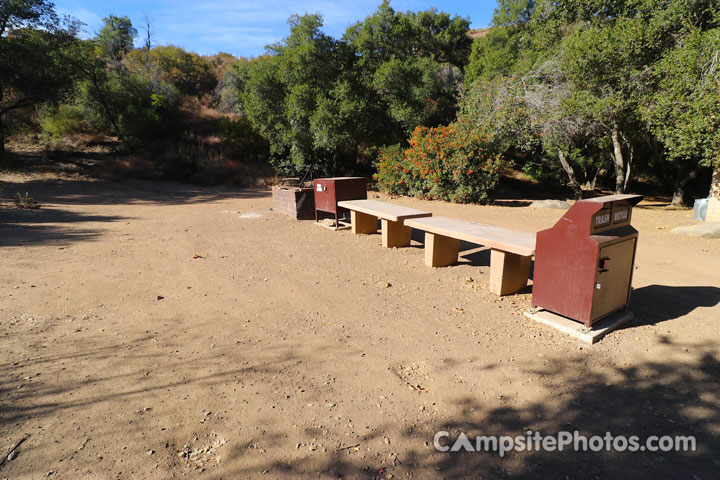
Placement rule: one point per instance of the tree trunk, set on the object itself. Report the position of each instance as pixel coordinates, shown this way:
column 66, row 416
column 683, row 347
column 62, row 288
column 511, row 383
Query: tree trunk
column 571, row 175
column 618, row 159
column 715, row 185
column 682, row 179
column 713, row 209
column 104, row 104
column 678, row 195
column 2, row 137
column 2, row 130
column 628, row 167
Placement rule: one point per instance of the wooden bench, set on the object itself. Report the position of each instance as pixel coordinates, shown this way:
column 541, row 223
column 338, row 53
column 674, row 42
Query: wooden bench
column 510, row 255
column 364, row 215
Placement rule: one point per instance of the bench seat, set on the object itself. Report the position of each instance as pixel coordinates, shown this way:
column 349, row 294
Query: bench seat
column 364, row 215
column 511, row 251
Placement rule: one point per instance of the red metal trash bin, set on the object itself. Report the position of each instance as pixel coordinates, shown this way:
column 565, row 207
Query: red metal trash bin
column 584, row 264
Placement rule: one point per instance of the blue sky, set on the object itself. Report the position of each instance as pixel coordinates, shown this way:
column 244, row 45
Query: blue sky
column 243, row 27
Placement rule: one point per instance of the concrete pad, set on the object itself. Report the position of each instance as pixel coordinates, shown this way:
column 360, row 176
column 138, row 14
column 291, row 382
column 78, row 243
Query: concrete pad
column 577, row 329
column 329, row 223
column 704, row 230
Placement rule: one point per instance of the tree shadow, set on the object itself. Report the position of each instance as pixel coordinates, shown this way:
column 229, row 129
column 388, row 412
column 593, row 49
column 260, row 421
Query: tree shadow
column 125, row 191
column 647, row 398
column 643, row 400
column 658, row 303
column 23, row 227
column 510, row 189
column 38, row 397
column 512, row 203
column 116, row 374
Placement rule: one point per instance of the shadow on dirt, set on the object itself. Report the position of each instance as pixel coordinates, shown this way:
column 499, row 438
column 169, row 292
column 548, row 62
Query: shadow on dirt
column 643, row 400
column 23, row 397
column 676, row 397
column 90, row 192
column 22, row 227
column 658, row 303
column 651, row 399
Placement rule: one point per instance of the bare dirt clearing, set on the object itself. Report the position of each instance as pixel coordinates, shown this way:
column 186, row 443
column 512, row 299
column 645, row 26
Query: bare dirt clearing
column 157, row 330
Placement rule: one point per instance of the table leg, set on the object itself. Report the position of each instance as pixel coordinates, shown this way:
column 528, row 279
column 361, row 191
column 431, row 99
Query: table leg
column 509, row 272
column 362, row 223
column 440, row 251
column 395, row 234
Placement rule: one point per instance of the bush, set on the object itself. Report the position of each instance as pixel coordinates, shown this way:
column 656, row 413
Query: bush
column 26, row 201
column 452, row 163
column 191, row 158
column 143, row 108
column 545, row 171
column 205, row 161
column 63, row 120
column 242, row 140
column 186, row 71
column 128, row 105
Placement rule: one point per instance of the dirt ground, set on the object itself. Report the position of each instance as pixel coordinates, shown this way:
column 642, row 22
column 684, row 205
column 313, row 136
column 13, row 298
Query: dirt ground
column 155, row 330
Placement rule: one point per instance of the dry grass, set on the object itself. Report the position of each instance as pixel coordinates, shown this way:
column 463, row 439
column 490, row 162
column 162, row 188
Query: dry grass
column 478, row 32
column 26, row 201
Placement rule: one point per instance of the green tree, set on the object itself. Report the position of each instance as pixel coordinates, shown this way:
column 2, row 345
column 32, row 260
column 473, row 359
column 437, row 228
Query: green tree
column 116, row 37
column 190, row 73
column 37, row 54
column 513, row 12
column 495, row 54
column 327, row 102
column 505, row 49
column 118, row 100
column 602, row 65
column 281, row 92
column 683, row 110
column 607, row 54
column 408, row 66
column 606, row 57
column 126, row 104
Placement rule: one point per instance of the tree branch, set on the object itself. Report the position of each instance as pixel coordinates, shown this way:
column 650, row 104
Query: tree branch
column 25, row 102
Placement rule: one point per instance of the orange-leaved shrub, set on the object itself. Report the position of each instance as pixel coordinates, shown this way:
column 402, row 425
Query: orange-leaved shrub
column 453, row 163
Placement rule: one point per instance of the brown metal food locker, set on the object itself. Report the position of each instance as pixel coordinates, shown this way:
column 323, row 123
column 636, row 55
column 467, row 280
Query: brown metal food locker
column 330, row 191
